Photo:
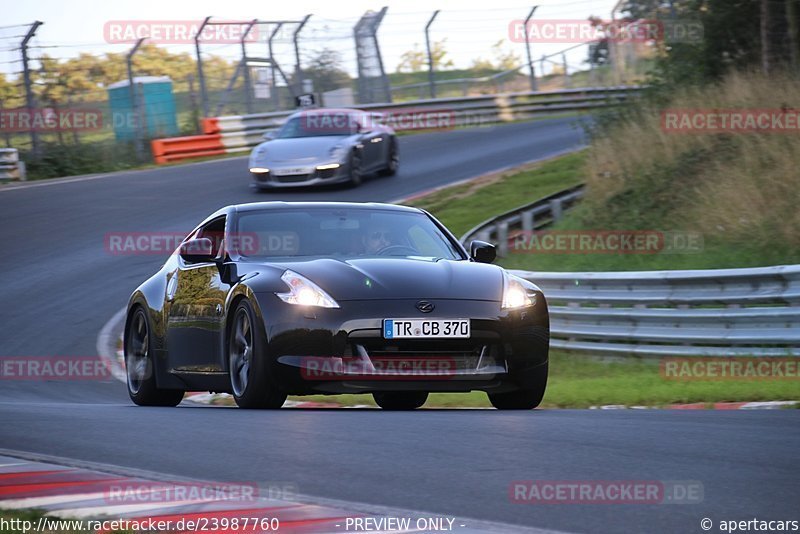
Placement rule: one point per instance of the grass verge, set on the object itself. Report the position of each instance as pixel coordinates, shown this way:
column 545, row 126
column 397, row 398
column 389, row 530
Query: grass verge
column 461, row 207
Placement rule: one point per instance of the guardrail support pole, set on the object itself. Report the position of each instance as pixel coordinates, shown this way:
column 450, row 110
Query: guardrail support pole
column 200, row 77
column 29, row 100
column 556, row 209
column 502, row 239
column 534, row 85
column 431, row 81
column 527, row 221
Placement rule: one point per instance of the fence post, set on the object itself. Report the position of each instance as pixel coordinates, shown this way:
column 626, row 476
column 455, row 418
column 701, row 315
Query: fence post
column 532, row 72
column 431, row 81
column 135, row 104
column 298, row 70
column 369, row 59
column 275, row 97
column 248, row 89
column 200, row 77
column 29, row 98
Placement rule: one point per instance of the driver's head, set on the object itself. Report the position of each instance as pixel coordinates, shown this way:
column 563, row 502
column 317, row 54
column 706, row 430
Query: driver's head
column 377, row 239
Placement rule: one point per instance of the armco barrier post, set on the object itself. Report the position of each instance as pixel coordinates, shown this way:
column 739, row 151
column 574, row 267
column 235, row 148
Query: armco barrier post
column 556, row 209
column 527, row 221
column 502, row 239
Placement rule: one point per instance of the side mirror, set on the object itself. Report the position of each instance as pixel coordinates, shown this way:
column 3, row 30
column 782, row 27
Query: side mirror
column 198, row 250
column 482, row 252
column 268, row 136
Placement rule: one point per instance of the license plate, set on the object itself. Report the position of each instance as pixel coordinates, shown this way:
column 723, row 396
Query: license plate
column 425, row 328
column 292, row 171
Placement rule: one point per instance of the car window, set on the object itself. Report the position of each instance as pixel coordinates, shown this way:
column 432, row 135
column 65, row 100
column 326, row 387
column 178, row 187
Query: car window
column 343, row 233
column 319, row 125
column 215, row 231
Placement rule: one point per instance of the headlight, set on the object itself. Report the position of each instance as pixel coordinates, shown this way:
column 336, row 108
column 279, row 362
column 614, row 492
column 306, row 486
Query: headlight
column 515, row 294
column 338, row 152
column 304, row 292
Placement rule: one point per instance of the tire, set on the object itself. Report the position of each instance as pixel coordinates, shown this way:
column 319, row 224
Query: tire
column 251, row 384
column 354, row 164
column 523, row 399
column 139, row 368
column 393, row 163
column 400, row 400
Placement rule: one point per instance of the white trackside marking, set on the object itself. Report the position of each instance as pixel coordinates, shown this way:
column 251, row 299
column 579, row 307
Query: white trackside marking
column 36, row 502
column 93, row 511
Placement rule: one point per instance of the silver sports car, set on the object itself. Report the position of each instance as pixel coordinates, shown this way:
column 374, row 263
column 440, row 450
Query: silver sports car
column 325, row 146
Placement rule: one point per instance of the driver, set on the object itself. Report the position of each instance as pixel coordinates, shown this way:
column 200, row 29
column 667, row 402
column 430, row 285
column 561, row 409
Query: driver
column 377, row 239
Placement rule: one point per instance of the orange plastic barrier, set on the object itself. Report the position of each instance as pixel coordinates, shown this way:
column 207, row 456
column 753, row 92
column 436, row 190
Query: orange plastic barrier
column 210, row 125
column 192, row 146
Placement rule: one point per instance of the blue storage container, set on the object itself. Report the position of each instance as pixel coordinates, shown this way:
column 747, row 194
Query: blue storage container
column 159, row 115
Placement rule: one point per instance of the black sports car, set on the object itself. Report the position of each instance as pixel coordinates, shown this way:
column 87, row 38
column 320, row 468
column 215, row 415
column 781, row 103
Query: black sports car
column 270, row 299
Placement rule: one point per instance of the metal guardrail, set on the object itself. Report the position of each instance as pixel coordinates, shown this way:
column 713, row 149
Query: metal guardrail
column 240, row 133
column 11, row 167
column 724, row 312
column 539, row 214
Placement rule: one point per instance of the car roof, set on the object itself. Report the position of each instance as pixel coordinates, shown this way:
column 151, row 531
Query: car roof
column 327, row 111
column 299, row 206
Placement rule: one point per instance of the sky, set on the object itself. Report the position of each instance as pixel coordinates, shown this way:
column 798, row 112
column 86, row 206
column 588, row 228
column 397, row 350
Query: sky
column 470, row 27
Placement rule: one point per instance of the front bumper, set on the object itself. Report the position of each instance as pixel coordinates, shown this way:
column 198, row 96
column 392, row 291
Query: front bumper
column 317, row 350
column 269, row 180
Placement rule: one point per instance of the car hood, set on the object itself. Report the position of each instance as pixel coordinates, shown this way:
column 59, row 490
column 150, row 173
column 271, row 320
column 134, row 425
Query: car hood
column 401, row 278
column 301, row 148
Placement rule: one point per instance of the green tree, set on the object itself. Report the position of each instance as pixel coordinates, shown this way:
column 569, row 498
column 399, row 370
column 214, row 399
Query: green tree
column 10, row 95
column 325, row 70
column 416, row 60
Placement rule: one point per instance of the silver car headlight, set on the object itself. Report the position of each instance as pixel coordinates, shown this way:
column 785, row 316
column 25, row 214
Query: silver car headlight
column 304, row 292
column 515, row 294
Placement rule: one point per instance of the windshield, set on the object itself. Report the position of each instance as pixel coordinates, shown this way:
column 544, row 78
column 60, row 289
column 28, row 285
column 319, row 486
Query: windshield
column 343, row 233
column 319, row 125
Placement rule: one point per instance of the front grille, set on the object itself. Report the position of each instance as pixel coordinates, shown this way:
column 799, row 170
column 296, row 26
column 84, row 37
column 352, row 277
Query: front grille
column 294, row 178
column 326, row 173
column 463, row 356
